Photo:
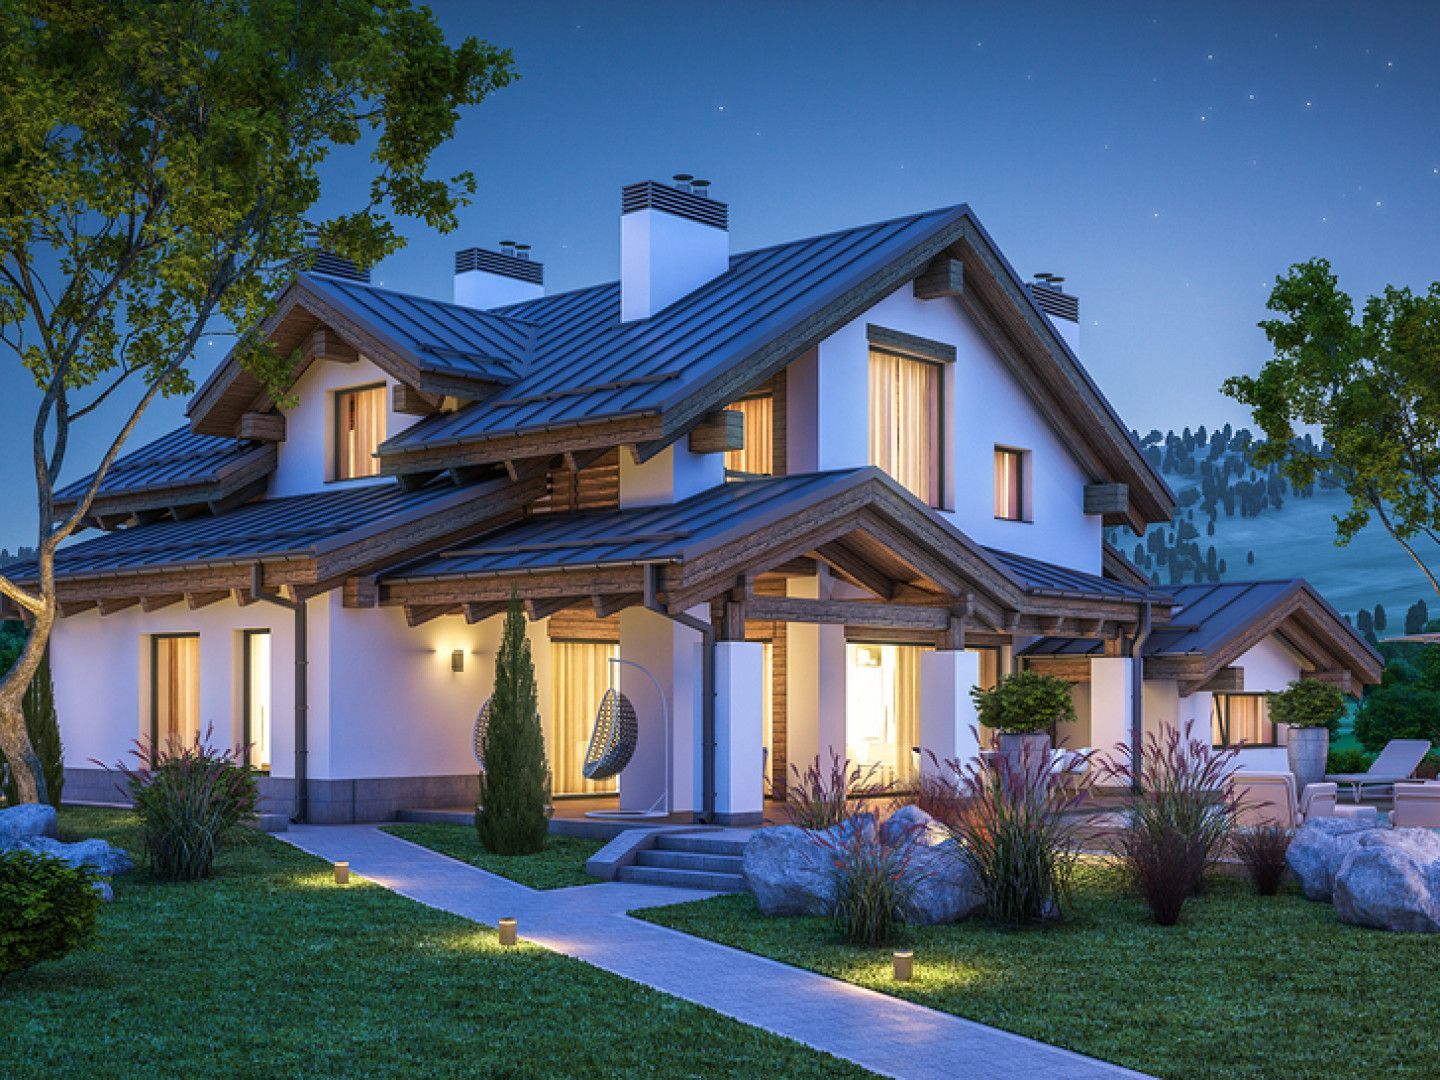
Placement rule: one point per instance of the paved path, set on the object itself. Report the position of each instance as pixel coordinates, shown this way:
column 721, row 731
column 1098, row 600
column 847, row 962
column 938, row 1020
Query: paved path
column 882, row 1033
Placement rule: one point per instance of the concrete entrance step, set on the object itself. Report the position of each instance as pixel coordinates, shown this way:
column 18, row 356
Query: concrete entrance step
column 689, row 860
column 717, row 843
column 682, row 879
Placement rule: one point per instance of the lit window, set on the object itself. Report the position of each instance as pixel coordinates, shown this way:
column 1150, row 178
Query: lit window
column 582, row 673
column 174, row 690
column 905, row 423
column 359, row 429
column 1009, row 484
column 1242, row 719
column 256, row 698
column 757, row 456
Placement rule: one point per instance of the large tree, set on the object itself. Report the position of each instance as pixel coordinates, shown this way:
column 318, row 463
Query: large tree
column 1371, row 385
column 160, row 178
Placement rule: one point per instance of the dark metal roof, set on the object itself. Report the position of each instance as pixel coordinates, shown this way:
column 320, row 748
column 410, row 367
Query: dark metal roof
column 444, row 338
column 297, row 526
column 179, row 459
column 1047, row 579
column 667, row 533
column 589, row 364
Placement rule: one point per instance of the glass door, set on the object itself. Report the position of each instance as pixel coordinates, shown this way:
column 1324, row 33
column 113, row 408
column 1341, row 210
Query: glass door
column 256, row 704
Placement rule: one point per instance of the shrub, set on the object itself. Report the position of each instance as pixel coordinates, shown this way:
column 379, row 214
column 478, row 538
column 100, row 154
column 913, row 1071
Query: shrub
column 1180, row 820
column 937, row 795
column 1025, row 701
column 1400, row 711
column 1350, row 759
column 513, row 816
column 47, row 909
column 821, row 797
column 1308, row 703
column 1262, row 850
column 1014, row 833
column 873, row 883
column 188, row 798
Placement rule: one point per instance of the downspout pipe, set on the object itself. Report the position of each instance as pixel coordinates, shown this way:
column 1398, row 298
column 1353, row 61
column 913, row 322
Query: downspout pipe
column 1137, row 695
column 707, row 689
column 302, row 689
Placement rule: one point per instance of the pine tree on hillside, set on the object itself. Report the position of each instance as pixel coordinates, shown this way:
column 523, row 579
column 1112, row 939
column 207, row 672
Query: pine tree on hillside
column 515, row 785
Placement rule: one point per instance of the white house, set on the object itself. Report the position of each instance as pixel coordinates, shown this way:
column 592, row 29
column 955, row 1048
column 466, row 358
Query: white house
column 816, row 491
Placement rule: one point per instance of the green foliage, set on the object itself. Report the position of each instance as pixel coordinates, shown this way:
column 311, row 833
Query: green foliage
column 560, row 866
column 512, row 818
column 1368, row 385
column 1025, row 701
column 47, row 909
column 1349, row 759
column 873, row 883
column 188, row 800
column 821, row 797
column 41, row 723
column 1399, row 711
column 1308, row 703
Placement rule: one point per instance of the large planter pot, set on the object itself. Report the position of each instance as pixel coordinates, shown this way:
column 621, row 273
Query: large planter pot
column 1023, row 753
column 1307, row 749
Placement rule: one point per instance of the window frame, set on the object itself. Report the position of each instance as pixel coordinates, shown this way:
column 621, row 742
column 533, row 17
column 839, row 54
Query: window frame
column 940, row 429
column 758, row 395
column 336, row 398
column 246, row 704
column 1230, row 744
column 154, row 688
column 1022, row 481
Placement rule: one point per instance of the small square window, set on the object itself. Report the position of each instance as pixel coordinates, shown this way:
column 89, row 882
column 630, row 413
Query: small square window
column 1009, row 484
column 359, row 430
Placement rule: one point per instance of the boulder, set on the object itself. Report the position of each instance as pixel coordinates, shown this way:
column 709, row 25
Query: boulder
column 861, row 827
column 1318, row 849
column 104, row 890
column 943, row 887
column 97, row 854
column 913, row 824
column 21, row 822
column 790, row 871
column 1390, row 880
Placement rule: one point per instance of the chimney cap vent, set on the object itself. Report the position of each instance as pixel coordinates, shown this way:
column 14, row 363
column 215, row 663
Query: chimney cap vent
column 691, row 205
column 337, row 266
column 511, row 264
column 1050, row 298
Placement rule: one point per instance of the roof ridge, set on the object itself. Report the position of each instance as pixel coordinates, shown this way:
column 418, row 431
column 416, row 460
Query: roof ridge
column 493, row 312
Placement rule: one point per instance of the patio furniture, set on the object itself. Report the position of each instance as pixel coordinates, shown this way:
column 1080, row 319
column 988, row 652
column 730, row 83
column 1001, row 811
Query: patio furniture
column 1417, row 805
column 1268, row 798
column 482, row 725
column 1398, row 761
column 1068, row 767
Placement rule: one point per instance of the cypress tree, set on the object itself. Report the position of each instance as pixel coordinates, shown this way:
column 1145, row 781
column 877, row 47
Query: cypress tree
column 515, row 785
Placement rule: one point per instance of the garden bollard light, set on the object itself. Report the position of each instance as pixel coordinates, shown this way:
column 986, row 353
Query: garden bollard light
column 507, row 931
column 342, row 873
column 904, row 965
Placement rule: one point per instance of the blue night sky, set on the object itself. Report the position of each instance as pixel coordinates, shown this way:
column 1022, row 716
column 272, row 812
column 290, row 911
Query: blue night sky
column 1168, row 161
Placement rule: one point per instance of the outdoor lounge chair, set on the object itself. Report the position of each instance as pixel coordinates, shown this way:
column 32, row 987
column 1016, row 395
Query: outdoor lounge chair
column 1398, row 761
column 1268, row 798
column 1417, row 805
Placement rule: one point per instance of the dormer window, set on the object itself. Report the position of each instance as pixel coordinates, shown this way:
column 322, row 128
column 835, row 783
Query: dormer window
column 359, row 430
column 906, row 430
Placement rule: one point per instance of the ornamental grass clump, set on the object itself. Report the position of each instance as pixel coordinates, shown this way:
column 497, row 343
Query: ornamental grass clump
column 824, row 795
column 1180, row 819
column 1262, row 850
column 47, row 909
column 874, row 880
column 188, row 797
column 1015, row 831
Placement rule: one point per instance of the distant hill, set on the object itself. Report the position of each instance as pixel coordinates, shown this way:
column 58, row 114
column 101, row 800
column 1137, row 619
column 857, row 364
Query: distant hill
column 1235, row 521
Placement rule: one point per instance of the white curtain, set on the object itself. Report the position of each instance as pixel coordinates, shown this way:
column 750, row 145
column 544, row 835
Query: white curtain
column 582, row 675
column 1009, row 484
column 757, row 457
column 176, row 690
column 905, row 422
column 360, row 428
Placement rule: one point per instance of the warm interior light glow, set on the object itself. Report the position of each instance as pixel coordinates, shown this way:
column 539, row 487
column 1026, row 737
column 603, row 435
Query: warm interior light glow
column 457, row 660
column 904, row 965
column 342, row 873
column 507, row 931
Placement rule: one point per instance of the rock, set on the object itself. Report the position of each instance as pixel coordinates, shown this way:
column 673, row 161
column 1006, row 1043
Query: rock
column 1319, row 847
column 790, row 871
column 98, row 854
column 18, row 823
column 862, row 826
column 106, row 892
column 910, row 822
column 943, row 887
column 1390, row 880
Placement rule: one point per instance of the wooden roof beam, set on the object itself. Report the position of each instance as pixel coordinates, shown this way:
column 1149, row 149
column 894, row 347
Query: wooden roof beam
column 404, row 398
column 718, row 432
column 858, row 570
column 418, row 614
column 155, row 603
column 262, row 426
column 538, row 609
column 945, row 276
column 324, row 344
column 475, row 613
column 111, row 606
column 197, row 600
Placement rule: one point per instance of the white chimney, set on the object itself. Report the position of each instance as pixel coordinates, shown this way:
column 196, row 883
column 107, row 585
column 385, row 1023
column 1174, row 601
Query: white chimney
column 673, row 239
column 490, row 279
column 1048, row 291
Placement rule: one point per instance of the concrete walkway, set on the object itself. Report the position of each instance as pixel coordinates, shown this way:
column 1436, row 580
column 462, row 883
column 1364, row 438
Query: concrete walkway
column 882, row 1033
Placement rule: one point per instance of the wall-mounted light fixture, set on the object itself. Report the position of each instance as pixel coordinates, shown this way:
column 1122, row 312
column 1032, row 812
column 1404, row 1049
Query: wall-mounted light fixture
column 457, row 660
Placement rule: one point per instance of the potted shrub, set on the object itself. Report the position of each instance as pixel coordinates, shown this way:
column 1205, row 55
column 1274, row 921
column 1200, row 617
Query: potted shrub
column 1310, row 709
column 1021, row 709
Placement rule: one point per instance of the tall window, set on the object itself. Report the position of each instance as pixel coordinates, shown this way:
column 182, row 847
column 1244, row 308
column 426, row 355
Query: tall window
column 359, row 429
column 174, row 690
column 882, row 710
column 906, row 423
column 757, row 457
column 1009, row 484
column 1242, row 718
column 257, row 698
column 582, row 675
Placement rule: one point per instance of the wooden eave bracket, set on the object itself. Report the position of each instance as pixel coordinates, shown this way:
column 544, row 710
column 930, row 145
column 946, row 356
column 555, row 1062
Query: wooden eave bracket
column 718, row 432
column 945, row 276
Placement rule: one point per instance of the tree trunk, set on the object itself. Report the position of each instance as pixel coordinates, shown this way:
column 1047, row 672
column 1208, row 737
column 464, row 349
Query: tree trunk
column 24, row 763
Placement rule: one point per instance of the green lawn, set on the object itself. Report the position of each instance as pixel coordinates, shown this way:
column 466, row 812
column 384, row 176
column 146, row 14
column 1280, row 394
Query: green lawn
column 1245, row 986
column 561, row 864
column 270, row 969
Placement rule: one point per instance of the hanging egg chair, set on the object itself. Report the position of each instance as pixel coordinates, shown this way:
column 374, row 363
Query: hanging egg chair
column 482, row 725
column 612, row 743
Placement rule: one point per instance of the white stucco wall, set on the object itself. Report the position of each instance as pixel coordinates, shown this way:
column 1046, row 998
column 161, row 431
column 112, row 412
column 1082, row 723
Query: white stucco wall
column 305, row 455
column 828, row 418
